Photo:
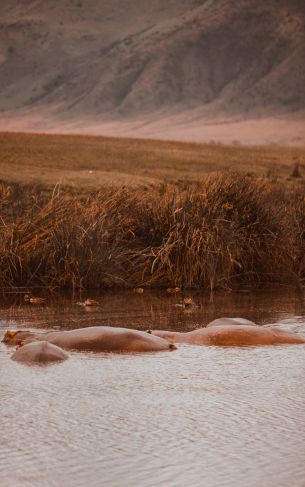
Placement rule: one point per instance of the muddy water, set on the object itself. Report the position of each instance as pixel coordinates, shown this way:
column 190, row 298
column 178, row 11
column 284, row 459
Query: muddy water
column 199, row 416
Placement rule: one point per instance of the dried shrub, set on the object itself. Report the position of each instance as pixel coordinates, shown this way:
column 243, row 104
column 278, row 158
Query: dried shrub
column 222, row 232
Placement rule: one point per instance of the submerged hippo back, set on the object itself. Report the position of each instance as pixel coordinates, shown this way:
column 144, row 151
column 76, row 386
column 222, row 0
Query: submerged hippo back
column 234, row 335
column 230, row 321
column 41, row 352
column 108, row 339
column 241, row 336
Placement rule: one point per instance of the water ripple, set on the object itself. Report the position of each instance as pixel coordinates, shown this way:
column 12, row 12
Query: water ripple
column 199, row 416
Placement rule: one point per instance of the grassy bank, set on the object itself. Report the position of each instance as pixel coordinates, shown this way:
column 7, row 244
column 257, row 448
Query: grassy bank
column 221, row 233
column 84, row 161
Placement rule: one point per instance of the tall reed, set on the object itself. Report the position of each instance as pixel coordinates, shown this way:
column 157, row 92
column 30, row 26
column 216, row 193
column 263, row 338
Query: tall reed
column 222, row 232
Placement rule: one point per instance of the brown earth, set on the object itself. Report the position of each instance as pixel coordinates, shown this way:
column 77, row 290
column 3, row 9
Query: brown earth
column 196, row 70
column 89, row 161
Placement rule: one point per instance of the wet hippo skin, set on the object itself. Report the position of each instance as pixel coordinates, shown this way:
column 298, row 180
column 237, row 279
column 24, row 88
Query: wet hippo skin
column 41, row 352
column 230, row 335
column 230, row 321
column 95, row 338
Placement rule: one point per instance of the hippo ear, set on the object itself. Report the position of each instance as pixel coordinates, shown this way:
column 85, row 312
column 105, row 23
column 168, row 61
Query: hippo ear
column 10, row 334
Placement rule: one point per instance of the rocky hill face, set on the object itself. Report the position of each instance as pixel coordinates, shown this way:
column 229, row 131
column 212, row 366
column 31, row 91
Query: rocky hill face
column 117, row 61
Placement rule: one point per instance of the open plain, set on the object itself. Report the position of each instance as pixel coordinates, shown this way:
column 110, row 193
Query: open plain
column 92, row 161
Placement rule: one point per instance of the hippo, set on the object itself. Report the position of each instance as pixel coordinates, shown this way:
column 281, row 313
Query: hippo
column 230, row 321
column 40, row 352
column 95, row 338
column 235, row 334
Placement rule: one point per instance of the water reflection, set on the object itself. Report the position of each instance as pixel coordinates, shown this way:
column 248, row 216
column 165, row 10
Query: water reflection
column 197, row 416
column 153, row 309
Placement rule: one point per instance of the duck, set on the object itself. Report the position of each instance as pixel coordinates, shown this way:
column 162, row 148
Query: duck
column 29, row 298
column 89, row 302
column 188, row 303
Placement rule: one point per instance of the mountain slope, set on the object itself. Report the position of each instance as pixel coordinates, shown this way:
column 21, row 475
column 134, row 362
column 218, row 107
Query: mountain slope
column 138, row 60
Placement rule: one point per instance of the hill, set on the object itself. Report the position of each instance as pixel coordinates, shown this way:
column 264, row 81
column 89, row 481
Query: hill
column 192, row 70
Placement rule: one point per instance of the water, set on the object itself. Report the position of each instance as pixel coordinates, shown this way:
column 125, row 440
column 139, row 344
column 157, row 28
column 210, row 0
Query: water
column 199, row 416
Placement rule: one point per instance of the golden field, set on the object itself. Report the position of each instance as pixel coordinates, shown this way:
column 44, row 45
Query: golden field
column 88, row 161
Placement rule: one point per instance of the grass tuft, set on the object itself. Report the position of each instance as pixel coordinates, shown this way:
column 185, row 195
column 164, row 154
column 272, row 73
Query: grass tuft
column 220, row 233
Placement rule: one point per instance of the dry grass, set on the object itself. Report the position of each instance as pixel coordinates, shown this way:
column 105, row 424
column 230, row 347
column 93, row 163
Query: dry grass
column 86, row 161
column 220, row 233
